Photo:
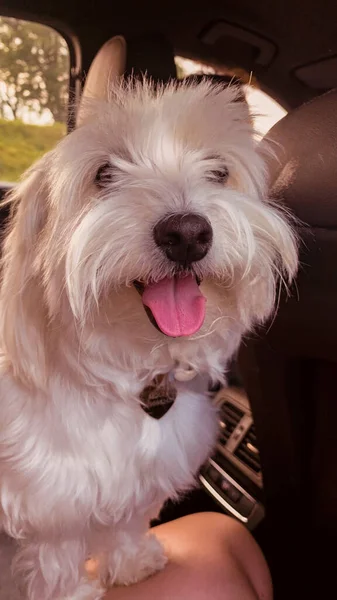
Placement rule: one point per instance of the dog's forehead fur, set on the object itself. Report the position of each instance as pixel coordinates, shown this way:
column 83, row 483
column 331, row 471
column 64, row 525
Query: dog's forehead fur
column 141, row 119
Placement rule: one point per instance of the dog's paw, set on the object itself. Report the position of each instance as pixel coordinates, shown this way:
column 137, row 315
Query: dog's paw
column 144, row 561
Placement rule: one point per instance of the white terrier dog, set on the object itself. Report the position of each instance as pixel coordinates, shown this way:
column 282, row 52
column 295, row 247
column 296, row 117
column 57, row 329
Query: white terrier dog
column 141, row 246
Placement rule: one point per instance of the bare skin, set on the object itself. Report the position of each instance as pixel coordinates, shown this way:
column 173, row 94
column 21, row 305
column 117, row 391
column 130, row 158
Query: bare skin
column 211, row 557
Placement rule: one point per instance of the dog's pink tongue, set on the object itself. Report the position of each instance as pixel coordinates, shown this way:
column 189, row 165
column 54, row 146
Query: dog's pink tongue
column 177, row 305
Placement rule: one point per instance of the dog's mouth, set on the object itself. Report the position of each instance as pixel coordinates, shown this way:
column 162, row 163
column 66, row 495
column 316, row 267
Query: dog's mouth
column 175, row 305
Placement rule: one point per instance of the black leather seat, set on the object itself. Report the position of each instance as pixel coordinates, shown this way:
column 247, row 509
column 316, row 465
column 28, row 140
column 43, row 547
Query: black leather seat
column 290, row 369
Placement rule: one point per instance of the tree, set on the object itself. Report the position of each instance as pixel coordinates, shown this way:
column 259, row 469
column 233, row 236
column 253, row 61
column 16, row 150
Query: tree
column 34, row 69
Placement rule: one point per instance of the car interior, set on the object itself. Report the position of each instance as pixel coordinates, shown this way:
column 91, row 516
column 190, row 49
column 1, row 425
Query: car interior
column 274, row 468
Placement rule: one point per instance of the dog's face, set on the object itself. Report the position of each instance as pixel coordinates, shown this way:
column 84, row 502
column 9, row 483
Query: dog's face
column 158, row 195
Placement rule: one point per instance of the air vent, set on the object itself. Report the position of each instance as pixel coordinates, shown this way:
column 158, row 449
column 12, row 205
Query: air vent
column 248, row 453
column 230, row 417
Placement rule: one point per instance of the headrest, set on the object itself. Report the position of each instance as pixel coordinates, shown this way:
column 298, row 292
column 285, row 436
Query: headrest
column 303, row 172
column 152, row 54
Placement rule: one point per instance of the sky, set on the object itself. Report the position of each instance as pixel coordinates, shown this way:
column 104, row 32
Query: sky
column 268, row 110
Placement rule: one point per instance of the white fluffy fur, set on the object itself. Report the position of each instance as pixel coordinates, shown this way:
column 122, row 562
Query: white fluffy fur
column 82, row 467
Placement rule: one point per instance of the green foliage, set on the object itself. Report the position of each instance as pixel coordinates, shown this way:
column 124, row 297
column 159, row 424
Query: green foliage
column 34, row 69
column 180, row 71
column 21, row 145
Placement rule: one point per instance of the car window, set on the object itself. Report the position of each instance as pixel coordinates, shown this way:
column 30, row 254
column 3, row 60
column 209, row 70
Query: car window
column 266, row 110
column 34, row 93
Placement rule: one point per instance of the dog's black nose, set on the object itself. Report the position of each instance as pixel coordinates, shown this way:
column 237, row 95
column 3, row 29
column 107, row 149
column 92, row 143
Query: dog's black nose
column 185, row 238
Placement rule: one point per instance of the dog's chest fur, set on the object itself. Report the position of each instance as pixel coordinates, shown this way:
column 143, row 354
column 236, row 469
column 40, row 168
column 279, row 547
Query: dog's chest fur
column 105, row 459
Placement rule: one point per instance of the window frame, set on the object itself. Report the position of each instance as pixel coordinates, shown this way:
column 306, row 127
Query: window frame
column 75, row 57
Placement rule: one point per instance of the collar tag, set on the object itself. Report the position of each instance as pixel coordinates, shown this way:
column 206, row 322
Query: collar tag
column 158, row 397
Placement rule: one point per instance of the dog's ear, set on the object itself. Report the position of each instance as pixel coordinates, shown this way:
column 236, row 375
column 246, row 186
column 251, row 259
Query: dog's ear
column 22, row 311
column 222, row 81
column 107, row 67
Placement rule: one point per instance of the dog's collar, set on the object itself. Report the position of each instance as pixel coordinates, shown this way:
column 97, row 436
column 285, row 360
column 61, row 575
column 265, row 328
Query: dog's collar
column 158, row 397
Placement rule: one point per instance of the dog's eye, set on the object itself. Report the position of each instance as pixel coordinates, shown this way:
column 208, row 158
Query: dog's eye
column 218, row 175
column 105, row 175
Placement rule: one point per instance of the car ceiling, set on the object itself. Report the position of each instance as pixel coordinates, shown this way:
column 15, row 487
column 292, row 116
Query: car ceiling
column 295, row 33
